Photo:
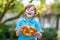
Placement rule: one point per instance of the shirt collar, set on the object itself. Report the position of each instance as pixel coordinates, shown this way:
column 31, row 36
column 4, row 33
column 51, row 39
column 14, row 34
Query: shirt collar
column 28, row 20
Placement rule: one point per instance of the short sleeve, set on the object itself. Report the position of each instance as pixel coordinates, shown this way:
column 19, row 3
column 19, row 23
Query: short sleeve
column 18, row 25
column 38, row 26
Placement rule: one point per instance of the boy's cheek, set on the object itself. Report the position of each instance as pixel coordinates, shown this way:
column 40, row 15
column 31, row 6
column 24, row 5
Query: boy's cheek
column 26, row 11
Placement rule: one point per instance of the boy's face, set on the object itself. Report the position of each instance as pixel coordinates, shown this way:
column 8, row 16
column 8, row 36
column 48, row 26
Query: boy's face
column 30, row 12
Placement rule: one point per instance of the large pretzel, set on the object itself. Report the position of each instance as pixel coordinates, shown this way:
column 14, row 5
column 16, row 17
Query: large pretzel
column 29, row 31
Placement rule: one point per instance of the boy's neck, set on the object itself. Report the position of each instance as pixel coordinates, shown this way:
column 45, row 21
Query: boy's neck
column 28, row 18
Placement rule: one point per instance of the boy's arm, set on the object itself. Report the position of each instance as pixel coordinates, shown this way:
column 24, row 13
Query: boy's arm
column 39, row 30
column 18, row 28
column 18, row 31
column 38, row 34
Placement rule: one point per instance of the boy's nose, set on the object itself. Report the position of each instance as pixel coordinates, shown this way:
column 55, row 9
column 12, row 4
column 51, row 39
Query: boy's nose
column 29, row 10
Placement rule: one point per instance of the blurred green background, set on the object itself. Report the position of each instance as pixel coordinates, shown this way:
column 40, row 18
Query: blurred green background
column 12, row 10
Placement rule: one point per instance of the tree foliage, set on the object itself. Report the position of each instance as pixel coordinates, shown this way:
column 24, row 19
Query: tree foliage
column 12, row 6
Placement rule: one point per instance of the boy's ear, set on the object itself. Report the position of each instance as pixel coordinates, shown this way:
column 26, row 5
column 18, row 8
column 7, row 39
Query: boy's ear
column 25, row 13
column 36, row 14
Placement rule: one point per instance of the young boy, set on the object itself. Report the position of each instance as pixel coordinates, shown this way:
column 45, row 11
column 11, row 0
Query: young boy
column 29, row 12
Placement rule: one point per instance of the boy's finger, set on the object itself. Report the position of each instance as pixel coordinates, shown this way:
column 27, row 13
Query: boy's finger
column 35, row 33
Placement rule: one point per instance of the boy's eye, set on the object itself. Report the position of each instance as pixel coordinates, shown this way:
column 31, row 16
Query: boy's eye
column 32, row 10
column 28, row 9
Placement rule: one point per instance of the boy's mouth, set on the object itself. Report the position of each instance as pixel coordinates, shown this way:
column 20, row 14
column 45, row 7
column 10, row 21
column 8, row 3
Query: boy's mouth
column 29, row 13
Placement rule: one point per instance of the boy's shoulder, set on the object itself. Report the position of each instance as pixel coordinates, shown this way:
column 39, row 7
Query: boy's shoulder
column 20, row 19
column 35, row 20
column 23, row 20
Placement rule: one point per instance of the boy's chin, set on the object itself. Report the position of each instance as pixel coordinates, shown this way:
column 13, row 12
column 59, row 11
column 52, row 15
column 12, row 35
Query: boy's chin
column 29, row 16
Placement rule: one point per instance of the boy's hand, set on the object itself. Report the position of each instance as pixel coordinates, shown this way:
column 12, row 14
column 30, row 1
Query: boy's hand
column 18, row 32
column 21, row 29
column 38, row 34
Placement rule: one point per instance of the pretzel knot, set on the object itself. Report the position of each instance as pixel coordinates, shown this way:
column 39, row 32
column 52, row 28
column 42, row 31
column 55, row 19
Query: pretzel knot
column 29, row 31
